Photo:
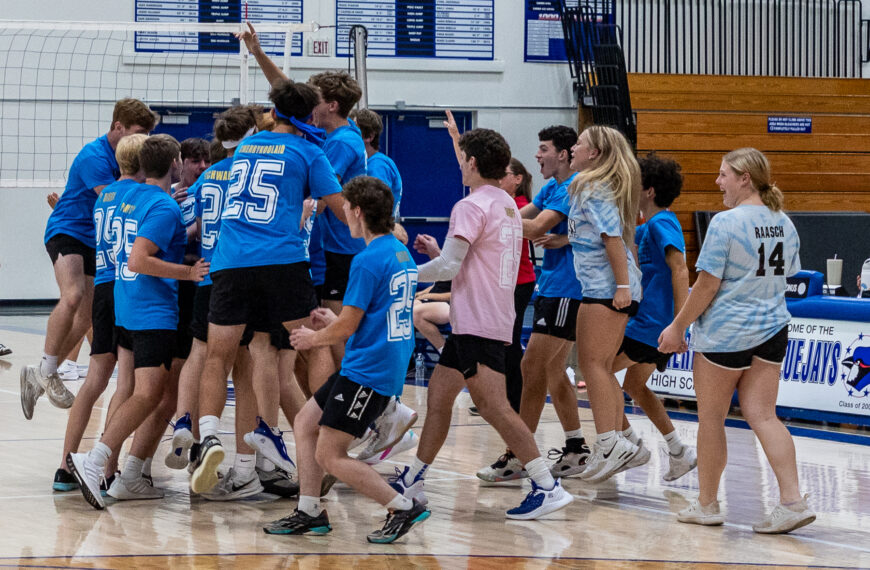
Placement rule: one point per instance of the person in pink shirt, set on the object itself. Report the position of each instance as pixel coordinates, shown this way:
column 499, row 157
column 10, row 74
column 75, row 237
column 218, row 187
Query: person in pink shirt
column 481, row 255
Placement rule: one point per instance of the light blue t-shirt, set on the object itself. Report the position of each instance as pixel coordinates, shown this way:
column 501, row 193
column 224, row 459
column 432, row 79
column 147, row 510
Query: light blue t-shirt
column 382, row 282
column 346, row 152
column 752, row 249
column 104, row 211
column 383, row 168
column 557, row 268
column 656, row 309
column 73, row 214
column 594, row 212
column 209, row 192
column 272, row 174
column 144, row 302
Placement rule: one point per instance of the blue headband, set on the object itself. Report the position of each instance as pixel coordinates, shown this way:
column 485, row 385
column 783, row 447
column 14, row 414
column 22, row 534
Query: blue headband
column 310, row 132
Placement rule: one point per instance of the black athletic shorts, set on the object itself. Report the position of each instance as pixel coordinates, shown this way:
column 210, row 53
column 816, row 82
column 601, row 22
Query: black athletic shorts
column 556, row 316
column 771, row 350
column 630, row 310
column 643, row 353
column 63, row 244
column 264, row 298
column 463, row 352
column 199, row 321
column 186, row 299
column 151, row 348
column 348, row 406
column 105, row 337
column 337, row 274
column 280, row 339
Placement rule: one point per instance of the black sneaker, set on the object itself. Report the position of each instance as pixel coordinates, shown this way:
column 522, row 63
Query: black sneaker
column 300, row 522
column 398, row 524
column 106, row 483
column 64, row 481
column 278, row 482
column 205, row 475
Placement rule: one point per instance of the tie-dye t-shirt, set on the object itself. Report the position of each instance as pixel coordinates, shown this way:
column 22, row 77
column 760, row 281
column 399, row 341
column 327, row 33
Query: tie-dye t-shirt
column 752, row 249
column 594, row 212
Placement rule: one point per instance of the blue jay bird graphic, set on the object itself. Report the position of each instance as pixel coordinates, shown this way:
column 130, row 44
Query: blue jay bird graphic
column 860, row 359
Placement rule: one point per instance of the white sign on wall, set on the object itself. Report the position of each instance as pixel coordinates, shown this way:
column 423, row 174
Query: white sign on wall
column 826, row 368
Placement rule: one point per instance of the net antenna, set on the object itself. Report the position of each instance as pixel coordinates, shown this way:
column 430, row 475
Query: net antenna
column 359, row 39
column 60, row 80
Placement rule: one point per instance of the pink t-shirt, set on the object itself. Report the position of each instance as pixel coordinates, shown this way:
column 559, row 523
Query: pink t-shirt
column 482, row 300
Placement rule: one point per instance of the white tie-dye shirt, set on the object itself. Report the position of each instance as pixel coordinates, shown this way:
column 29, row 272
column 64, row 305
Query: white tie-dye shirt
column 594, row 212
column 752, row 249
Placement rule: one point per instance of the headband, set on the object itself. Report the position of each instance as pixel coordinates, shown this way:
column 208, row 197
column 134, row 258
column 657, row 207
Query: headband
column 309, row 132
column 233, row 144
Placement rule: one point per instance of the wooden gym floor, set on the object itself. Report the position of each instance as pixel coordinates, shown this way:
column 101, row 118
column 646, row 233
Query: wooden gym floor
column 626, row 523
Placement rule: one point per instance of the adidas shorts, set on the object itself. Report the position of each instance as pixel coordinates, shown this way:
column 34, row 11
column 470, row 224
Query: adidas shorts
column 556, row 316
column 347, row 406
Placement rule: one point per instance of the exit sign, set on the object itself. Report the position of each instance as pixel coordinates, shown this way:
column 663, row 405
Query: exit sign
column 318, row 48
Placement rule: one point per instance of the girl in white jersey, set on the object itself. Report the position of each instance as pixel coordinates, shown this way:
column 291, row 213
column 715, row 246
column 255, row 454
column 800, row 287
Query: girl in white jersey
column 741, row 332
column 604, row 201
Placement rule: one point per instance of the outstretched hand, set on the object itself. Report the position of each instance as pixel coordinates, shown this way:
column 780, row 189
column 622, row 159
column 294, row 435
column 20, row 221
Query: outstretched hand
column 252, row 41
column 450, row 123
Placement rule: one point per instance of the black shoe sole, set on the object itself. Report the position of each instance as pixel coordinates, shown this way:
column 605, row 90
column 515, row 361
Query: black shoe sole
column 404, row 530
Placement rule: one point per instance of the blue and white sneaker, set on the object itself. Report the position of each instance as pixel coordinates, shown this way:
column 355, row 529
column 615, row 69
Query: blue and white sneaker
column 540, row 502
column 413, row 491
column 182, row 439
column 269, row 443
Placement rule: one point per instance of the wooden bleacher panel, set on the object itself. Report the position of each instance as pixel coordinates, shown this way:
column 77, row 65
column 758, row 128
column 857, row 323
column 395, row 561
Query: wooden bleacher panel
column 696, row 119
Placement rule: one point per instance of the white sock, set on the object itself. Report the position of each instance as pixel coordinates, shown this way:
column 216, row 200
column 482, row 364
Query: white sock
column 607, row 440
column 309, row 505
column 574, row 434
column 675, row 445
column 48, row 365
column 244, row 466
column 418, row 470
column 540, row 473
column 132, row 468
column 630, row 435
column 264, row 464
column 400, row 503
column 100, row 454
column 208, row 425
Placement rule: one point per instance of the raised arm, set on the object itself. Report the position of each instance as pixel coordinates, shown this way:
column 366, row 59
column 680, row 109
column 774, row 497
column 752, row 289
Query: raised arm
column 270, row 69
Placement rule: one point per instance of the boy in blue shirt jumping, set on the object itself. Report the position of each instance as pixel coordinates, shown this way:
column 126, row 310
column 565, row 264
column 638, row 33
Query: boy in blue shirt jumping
column 377, row 323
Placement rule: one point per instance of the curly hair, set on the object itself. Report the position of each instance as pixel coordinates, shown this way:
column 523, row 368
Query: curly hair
column 663, row 174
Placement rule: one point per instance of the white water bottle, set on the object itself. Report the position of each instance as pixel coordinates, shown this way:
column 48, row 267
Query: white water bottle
column 420, row 371
column 865, row 279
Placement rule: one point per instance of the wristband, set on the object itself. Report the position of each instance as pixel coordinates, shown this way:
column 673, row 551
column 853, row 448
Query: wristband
column 623, row 286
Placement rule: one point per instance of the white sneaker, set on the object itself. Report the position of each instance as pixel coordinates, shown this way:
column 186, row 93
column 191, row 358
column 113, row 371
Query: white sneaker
column 681, row 463
column 58, row 395
column 30, row 391
column 89, row 476
column 408, row 441
column 269, row 443
column 133, row 489
column 783, row 519
column 642, row 457
column 604, row 464
column 178, row 456
column 540, row 502
column 413, row 490
column 68, row 371
column 696, row 514
column 506, row 468
column 389, row 428
column 231, row 488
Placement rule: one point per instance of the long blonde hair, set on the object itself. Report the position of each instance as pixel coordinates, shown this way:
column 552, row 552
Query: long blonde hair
column 753, row 162
column 616, row 169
